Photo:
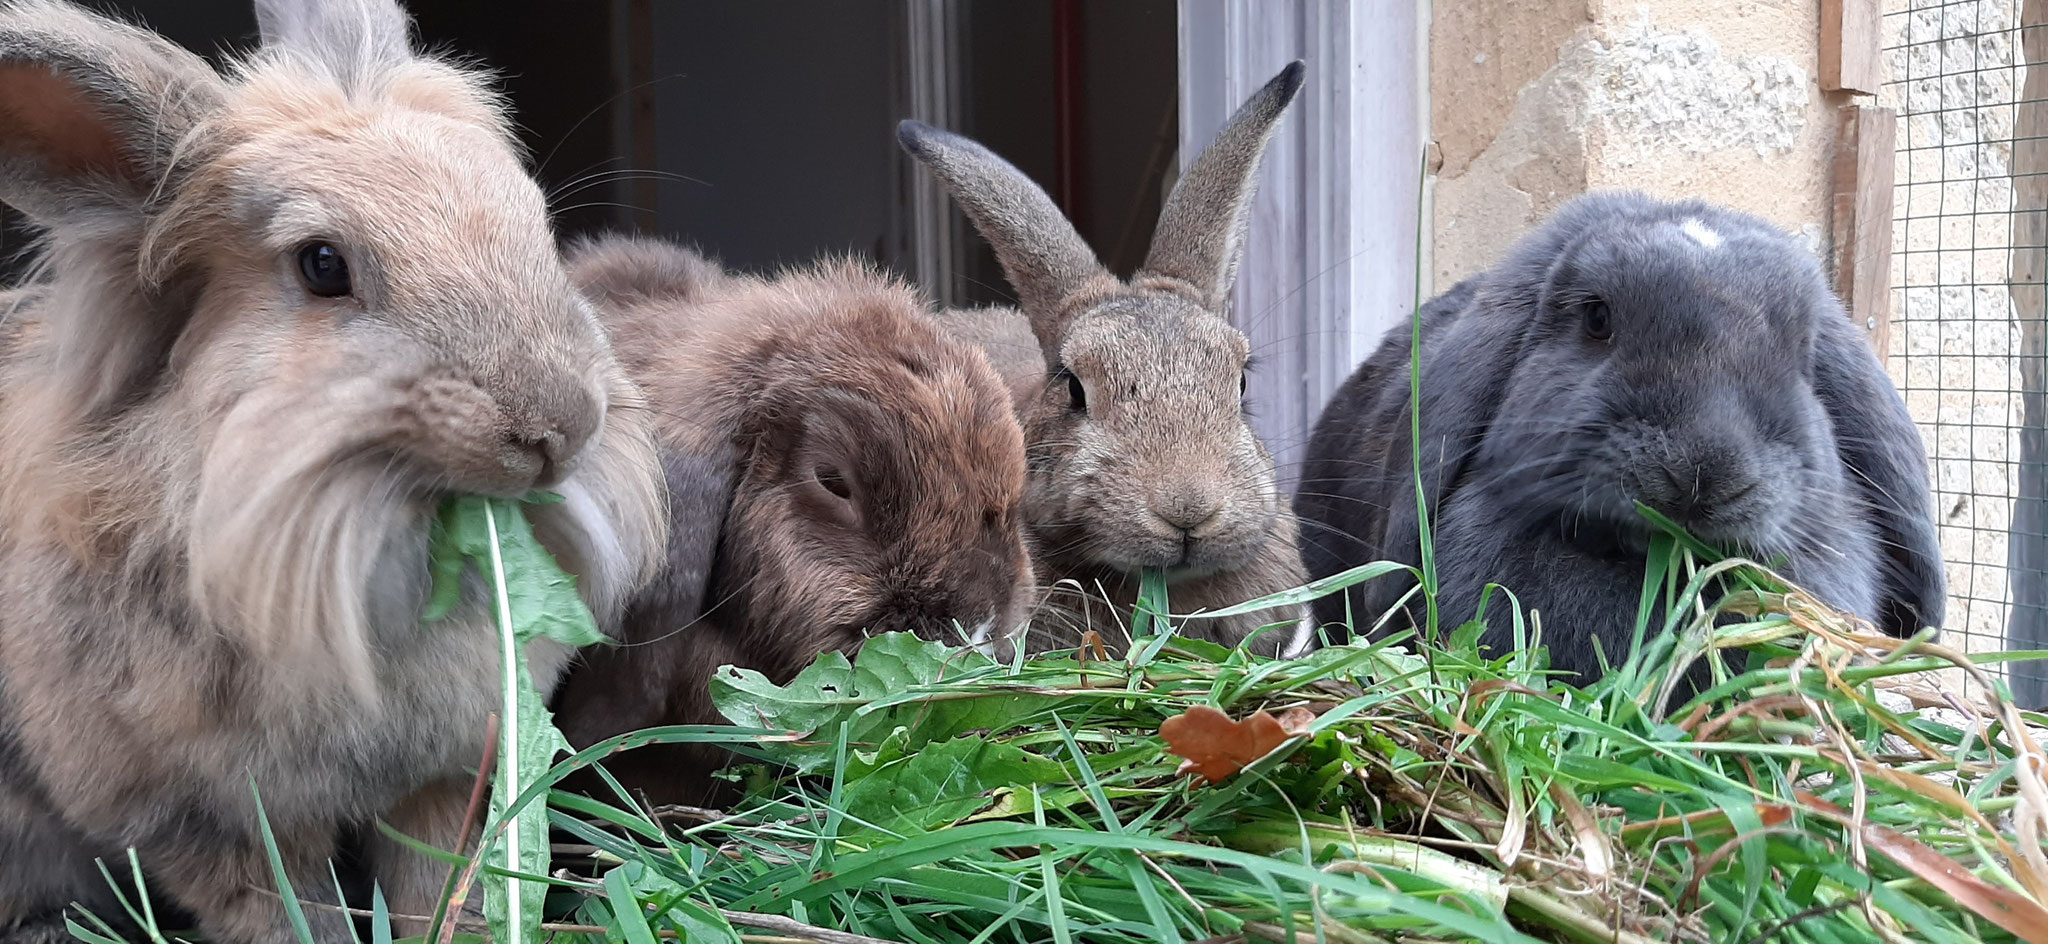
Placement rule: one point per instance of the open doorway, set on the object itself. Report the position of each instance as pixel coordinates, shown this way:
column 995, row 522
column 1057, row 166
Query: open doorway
column 771, row 127
column 764, row 133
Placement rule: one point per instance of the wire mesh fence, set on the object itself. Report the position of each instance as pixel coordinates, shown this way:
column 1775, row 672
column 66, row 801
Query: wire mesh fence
column 1970, row 301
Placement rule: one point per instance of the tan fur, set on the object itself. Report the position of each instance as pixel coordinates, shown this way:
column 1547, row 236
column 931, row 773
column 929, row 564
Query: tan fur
column 762, row 388
column 217, row 489
column 1154, row 466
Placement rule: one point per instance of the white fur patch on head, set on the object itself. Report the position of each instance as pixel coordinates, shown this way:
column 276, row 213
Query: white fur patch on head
column 1699, row 233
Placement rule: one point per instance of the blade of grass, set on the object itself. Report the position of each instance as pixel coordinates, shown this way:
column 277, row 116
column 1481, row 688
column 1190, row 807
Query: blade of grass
column 293, row 913
column 1155, row 905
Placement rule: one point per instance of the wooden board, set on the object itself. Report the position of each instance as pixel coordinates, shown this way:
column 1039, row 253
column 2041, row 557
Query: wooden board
column 1849, row 58
column 1862, row 229
column 639, row 101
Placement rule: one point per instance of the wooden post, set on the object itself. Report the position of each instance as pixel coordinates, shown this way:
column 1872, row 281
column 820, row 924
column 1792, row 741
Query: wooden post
column 1849, row 45
column 1863, row 218
column 639, row 100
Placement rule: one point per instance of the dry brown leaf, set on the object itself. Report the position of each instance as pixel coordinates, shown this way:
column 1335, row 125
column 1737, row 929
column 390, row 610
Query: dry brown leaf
column 2004, row 907
column 1702, row 824
column 1295, row 721
column 1593, row 848
column 1216, row 747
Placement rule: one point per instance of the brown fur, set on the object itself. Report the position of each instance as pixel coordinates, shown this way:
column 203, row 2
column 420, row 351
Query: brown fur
column 217, row 489
column 760, row 385
column 1155, row 467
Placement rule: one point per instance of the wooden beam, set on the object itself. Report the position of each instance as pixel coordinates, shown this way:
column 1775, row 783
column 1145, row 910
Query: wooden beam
column 645, row 200
column 1849, row 59
column 1863, row 217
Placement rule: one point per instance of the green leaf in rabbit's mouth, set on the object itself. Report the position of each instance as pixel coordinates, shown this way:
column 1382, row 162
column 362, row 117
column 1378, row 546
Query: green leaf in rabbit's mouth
column 543, row 598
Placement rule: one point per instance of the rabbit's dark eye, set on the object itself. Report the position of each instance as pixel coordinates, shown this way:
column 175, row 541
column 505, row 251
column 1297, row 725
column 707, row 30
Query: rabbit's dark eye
column 1077, row 395
column 1599, row 326
column 324, row 271
column 832, row 480
column 1244, row 384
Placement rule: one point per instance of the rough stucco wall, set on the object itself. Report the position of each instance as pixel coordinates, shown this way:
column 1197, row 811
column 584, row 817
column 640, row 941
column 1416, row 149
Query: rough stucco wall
column 1506, row 122
column 1675, row 97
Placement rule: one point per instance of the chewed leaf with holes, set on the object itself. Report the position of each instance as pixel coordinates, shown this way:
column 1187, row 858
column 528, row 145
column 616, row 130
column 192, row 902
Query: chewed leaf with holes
column 543, row 598
column 874, row 694
column 944, row 783
column 819, row 697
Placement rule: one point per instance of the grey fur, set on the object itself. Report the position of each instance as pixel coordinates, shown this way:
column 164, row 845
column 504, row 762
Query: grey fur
column 1139, row 453
column 1734, row 396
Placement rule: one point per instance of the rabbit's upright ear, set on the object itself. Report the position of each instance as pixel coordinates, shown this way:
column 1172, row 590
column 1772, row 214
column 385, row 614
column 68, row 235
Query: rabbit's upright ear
column 91, row 111
column 1887, row 469
column 1043, row 256
column 351, row 39
column 1201, row 229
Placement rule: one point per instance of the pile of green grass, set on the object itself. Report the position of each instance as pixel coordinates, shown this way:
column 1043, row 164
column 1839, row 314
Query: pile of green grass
column 921, row 793
column 929, row 794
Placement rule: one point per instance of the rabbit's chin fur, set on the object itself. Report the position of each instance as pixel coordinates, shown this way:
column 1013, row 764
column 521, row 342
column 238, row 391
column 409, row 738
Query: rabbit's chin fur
column 219, row 480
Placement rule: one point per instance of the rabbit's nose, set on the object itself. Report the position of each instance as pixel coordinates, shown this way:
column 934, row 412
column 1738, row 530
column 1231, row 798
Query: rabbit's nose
column 556, row 433
column 552, row 448
column 1188, row 511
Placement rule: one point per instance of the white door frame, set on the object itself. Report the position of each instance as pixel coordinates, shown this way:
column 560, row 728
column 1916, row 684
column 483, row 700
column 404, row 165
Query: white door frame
column 930, row 92
column 1331, row 260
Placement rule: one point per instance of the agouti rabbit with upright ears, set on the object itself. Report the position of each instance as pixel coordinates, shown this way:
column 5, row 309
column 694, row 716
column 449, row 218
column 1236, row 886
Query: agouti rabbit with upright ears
column 1676, row 354
column 1140, row 456
column 837, row 466
column 279, row 316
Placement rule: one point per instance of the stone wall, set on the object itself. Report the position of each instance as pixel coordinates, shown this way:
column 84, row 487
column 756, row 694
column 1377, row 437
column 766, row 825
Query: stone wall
column 1532, row 103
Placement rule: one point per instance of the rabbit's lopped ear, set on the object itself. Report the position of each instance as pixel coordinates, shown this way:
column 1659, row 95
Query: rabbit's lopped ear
column 1043, row 256
column 350, row 39
column 700, row 477
column 1886, row 466
column 632, row 685
column 1464, row 380
column 1201, row 229
column 91, row 111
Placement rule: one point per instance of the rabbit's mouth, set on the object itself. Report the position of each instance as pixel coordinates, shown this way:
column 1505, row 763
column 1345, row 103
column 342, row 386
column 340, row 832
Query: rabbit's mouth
column 1188, row 554
column 1618, row 529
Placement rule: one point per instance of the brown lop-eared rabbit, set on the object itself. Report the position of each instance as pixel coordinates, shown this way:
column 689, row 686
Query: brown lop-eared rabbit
column 279, row 315
column 1131, row 392
column 837, row 467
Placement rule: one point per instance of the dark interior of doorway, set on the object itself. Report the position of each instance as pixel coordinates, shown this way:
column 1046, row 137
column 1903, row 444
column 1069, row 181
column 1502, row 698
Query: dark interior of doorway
column 763, row 133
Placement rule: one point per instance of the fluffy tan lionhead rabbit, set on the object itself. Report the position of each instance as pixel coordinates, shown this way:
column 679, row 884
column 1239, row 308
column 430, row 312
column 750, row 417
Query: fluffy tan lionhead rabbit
column 279, row 315
column 837, row 466
column 1131, row 392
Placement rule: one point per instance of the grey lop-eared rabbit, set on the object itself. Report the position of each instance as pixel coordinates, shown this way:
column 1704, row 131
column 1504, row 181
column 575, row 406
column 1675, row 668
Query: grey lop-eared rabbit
column 1132, row 392
column 280, row 314
column 1677, row 354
